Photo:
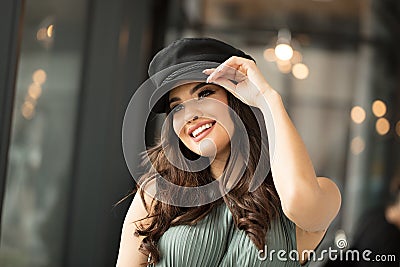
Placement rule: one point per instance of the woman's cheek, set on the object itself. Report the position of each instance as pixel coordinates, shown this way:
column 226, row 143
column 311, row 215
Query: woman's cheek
column 177, row 124
column 219, row 111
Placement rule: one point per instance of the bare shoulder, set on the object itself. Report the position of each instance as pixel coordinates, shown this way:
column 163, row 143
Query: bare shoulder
column 139, row 210
column 129, row 254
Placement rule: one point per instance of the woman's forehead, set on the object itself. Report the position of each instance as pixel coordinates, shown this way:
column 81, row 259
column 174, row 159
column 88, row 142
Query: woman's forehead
column 182, row 90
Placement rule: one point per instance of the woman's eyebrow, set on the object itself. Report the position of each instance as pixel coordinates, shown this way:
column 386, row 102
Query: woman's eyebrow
column 197, row 87
column 192, row 91
column 174, row 99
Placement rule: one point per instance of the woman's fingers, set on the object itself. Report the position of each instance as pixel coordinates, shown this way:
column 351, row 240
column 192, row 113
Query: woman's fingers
column 234, row 68
column 228, row 84
column 249, row 68
column 241, row 77
column 220, row 71
column 226, row 77
column 208, row 71
column 242, row 65
column 224, row 71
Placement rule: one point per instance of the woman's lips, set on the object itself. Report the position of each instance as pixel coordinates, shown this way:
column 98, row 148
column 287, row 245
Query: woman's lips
column 199, row 124
column 203, row 133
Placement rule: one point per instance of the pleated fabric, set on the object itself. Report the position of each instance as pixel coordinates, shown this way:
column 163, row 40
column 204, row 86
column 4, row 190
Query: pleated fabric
column 216, row 242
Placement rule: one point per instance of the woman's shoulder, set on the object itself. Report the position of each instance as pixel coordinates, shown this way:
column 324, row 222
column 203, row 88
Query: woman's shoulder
column 129, row 254
column 141, row 207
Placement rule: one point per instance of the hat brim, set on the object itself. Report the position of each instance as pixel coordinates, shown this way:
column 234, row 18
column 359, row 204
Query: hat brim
column 174, row 76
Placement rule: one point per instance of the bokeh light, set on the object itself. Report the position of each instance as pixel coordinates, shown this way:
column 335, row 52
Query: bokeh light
column 379, row 108
column 283, row 51
column 357, row 145
column 284, row 66
column 50, row 30
column 382, row 126
column 398, row 128
column 28, row 110
column 34, row 90
column 269, row 55
column 358, row 114
column 41, row 34
column 296, row 58
column 39, row 76
column 300, row 71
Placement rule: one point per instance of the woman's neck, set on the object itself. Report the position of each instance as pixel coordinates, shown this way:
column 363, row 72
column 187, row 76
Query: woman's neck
column 218, row 164
column 217, row 167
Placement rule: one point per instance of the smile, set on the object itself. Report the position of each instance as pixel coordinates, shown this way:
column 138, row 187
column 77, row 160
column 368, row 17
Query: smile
column 200, row 132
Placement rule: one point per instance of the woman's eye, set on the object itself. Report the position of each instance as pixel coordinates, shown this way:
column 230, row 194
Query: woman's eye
column 205, row 93
column 176, row 108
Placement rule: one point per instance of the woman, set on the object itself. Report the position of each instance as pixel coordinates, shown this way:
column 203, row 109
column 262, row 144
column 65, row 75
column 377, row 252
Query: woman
column 220, row 116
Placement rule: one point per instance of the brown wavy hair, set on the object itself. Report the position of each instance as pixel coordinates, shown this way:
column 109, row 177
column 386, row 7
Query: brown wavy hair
column 252, row 211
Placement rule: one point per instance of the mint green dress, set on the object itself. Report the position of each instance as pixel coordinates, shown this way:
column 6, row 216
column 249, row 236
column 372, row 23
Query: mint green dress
column 216, row 242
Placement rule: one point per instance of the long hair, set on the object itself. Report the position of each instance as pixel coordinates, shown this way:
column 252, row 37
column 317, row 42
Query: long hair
column 253, row 211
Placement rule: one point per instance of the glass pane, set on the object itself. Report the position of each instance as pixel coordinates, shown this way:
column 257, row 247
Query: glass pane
column 44, row 120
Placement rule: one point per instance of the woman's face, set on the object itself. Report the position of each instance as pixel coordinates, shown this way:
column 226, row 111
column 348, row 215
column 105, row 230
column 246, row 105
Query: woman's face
column 201, row 118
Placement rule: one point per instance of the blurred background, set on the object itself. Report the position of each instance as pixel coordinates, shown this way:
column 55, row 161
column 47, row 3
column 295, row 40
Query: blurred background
column 68, row 69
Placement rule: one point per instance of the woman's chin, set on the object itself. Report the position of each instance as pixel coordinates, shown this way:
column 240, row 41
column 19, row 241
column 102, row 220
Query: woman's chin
column 207, row 148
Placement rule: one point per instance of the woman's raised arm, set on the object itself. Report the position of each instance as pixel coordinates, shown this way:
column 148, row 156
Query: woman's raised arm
column 310, row 202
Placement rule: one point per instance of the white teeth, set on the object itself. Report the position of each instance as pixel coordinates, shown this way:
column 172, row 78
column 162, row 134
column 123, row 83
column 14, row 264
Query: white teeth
column 201, row 129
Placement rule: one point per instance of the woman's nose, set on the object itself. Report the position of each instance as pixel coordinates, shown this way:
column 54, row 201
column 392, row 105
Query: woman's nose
column 192, row 112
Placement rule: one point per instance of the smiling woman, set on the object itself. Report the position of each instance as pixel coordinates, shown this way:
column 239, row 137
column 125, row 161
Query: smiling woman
column 218, row 129
column 200, row 111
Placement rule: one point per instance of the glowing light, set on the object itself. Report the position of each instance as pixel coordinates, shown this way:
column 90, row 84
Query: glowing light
column 300, row 71
column 296, row 58
column 283, row 51
column 269, row 55
column 41, row 34
column 39, row 76
column 398, row 128
column 50, row 30
column 284, row 66
column 34, row 90
column 379, row 108
column 28, row 98
column 358, row 114
column 28, row 110
column 382, row 126
column 357, row 145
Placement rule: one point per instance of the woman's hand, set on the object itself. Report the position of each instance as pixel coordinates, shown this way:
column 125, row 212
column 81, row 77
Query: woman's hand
column 243, row 79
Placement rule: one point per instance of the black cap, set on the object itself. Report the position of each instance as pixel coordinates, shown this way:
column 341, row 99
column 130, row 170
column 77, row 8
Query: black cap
column 183, row 61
